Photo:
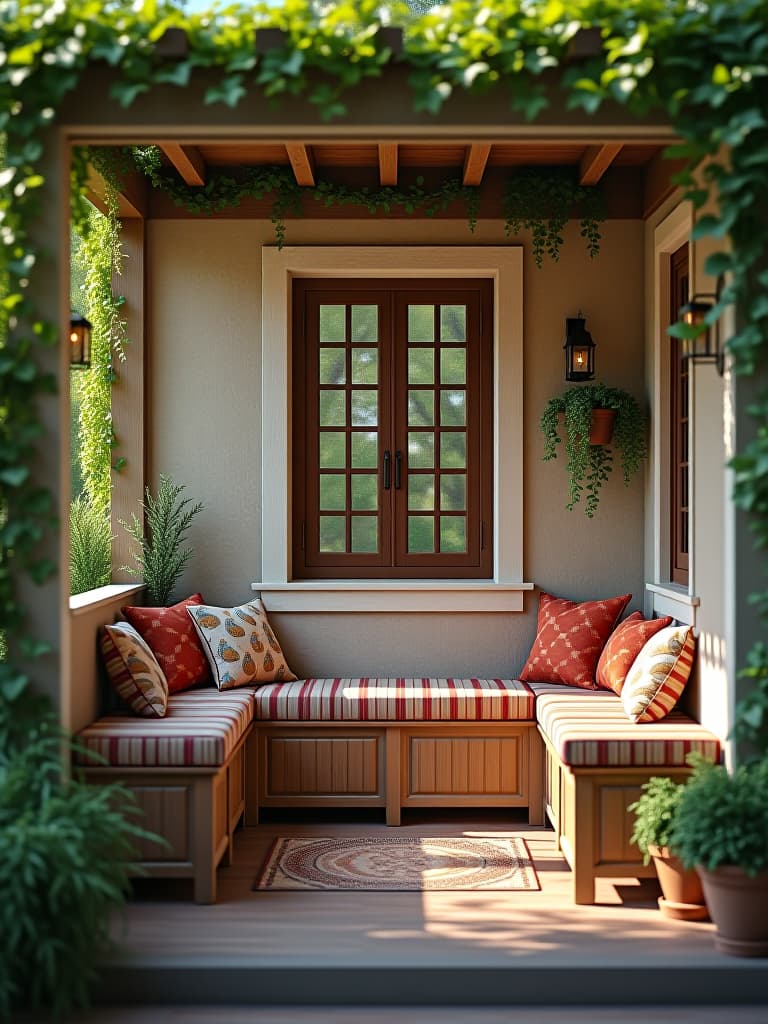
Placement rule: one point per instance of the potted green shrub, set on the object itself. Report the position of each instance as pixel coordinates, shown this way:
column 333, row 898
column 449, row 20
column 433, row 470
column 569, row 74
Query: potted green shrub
column 721, row 828
column 655, row 812
column 589, row 464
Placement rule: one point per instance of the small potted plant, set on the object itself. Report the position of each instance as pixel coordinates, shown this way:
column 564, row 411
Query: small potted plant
column 588, row 464
column 655, row 812
column 721, row 828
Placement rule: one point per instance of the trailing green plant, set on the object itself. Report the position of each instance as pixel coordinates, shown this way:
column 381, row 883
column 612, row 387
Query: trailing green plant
column 589, row 465
column 655, row 812
column 90, row 545
column 161, row 557
column 722, row 818
column 66, row 851
column 750, row 724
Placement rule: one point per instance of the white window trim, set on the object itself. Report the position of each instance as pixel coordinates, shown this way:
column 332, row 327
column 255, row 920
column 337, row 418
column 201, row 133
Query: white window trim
column 503, row 265
column 667, row 598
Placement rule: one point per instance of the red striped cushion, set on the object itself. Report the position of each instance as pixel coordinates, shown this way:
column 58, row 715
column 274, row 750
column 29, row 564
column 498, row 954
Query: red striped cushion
column 589, row 729
column 201, row 728
column 395, row 700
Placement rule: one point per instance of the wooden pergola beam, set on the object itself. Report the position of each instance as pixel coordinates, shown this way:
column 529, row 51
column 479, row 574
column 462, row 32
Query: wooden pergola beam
column 132, row 197
column 475, row 160
column 187, row 160
column 388, row 163
column 302, row 163
column 596, row 161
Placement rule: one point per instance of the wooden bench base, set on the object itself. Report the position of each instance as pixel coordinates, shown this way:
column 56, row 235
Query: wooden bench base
column 195, row 810
column 588, row 810
column 395, row 765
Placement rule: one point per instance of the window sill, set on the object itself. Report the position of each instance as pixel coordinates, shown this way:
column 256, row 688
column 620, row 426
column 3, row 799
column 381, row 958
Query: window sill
column 393, row 596
column 670, row 599
column 81, row 604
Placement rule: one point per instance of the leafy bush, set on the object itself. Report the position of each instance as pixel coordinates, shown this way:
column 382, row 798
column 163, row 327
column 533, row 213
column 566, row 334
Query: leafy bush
column 90, row 546
column 161, row 559
column 723, row 817
column 65, row 854
column 655, row 813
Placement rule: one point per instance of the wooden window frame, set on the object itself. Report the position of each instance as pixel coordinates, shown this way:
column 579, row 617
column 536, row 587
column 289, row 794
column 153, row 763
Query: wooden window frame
column 679, row 441
column 393, row 295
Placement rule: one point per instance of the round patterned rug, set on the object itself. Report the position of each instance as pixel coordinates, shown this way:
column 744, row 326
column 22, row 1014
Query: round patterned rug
column 391, row 863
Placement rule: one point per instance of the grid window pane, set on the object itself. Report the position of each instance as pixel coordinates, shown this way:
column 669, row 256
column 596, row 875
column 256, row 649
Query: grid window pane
column 365, row 324
column 421, row 449
column 453, row 492
column 453, row 534
column 333, row 533
column 421, row 408
column 421, row 534
column 421, row 323
column 453, row 323
column 333, row 323
column 453, row 450
column 365, row 450
column 333, row 409
column 365, row 408
column 421, row 492
column 453, row 366
column 333, row 450
column 365, row 366
column 421, row 366
column 333, row 366
column 453, row 408
column 333, row 491
column 365, row 491
column 365, row 534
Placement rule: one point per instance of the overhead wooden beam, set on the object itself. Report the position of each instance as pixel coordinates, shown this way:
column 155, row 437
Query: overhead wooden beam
column 388, row 163
column 301, row 162
column 187, row 161
column 475, row 160
column 131, row 197
column 596, row 162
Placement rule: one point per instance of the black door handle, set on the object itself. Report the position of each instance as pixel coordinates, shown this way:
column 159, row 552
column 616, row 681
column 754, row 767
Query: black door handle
column 387, row 470
column 398, row 469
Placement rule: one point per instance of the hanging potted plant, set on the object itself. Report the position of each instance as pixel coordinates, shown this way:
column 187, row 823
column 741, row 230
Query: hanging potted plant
column 721, row 828
column 589, row 461
column 655, row 812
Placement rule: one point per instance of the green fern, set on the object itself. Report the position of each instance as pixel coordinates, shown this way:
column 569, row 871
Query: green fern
column 90, row 546
column 161, row 558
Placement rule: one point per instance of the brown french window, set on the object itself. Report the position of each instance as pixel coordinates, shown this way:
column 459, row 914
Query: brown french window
column 678, row 426
column 392, row 428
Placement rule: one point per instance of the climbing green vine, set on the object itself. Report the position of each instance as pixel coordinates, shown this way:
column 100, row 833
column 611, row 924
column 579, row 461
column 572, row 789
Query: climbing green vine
column 701, row 65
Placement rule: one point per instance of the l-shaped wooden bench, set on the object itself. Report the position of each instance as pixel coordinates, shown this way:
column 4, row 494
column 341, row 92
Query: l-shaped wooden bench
column 571, row 754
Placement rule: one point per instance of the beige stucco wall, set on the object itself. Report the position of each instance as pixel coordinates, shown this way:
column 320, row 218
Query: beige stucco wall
column 203, row 338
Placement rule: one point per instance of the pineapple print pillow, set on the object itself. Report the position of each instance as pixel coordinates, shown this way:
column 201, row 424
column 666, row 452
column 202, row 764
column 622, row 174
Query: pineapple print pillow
column 239, row 645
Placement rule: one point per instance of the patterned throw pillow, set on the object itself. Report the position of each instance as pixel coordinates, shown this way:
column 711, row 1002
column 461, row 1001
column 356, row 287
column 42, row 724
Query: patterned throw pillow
column 658, row 675
column 624, row 645
column 173, row 641
column 133, row 671
column 239, row 644
column 569, row 638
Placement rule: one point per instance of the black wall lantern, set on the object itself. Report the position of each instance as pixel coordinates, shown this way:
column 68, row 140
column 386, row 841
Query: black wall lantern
column 79, row 341
column 579, row 350
column 706, row 347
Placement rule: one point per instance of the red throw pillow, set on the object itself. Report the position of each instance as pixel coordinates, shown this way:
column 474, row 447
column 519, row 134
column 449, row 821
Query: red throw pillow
column 624, row 645
column 173, row 640
column 569, row 638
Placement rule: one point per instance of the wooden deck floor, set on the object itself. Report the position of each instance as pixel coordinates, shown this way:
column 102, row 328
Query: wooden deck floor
column 402, row 948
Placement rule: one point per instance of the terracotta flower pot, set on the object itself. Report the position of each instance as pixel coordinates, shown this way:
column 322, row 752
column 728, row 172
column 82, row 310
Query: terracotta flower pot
column 683, row 897
column 601, row 427
column 739, row 907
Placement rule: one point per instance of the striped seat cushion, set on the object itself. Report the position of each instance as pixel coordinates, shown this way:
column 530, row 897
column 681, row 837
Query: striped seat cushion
column 395, row 700
column 200, row 729
column 590, row 729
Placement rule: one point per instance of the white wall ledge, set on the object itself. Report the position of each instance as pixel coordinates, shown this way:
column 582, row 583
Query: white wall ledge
column 669, row 599
column 79, row 604
column 415, row 595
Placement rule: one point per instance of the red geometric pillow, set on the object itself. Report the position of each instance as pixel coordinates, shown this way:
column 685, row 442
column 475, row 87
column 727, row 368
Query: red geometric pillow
column 624, row 645
column 569, row 638
column 174, row 642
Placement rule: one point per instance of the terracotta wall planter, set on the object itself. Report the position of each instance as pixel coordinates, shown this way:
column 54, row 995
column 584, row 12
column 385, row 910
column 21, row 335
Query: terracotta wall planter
column 601, row 427
column 739, row 907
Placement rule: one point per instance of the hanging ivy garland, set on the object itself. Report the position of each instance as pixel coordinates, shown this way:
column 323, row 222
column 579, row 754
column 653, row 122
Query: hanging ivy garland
column 703, row 65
